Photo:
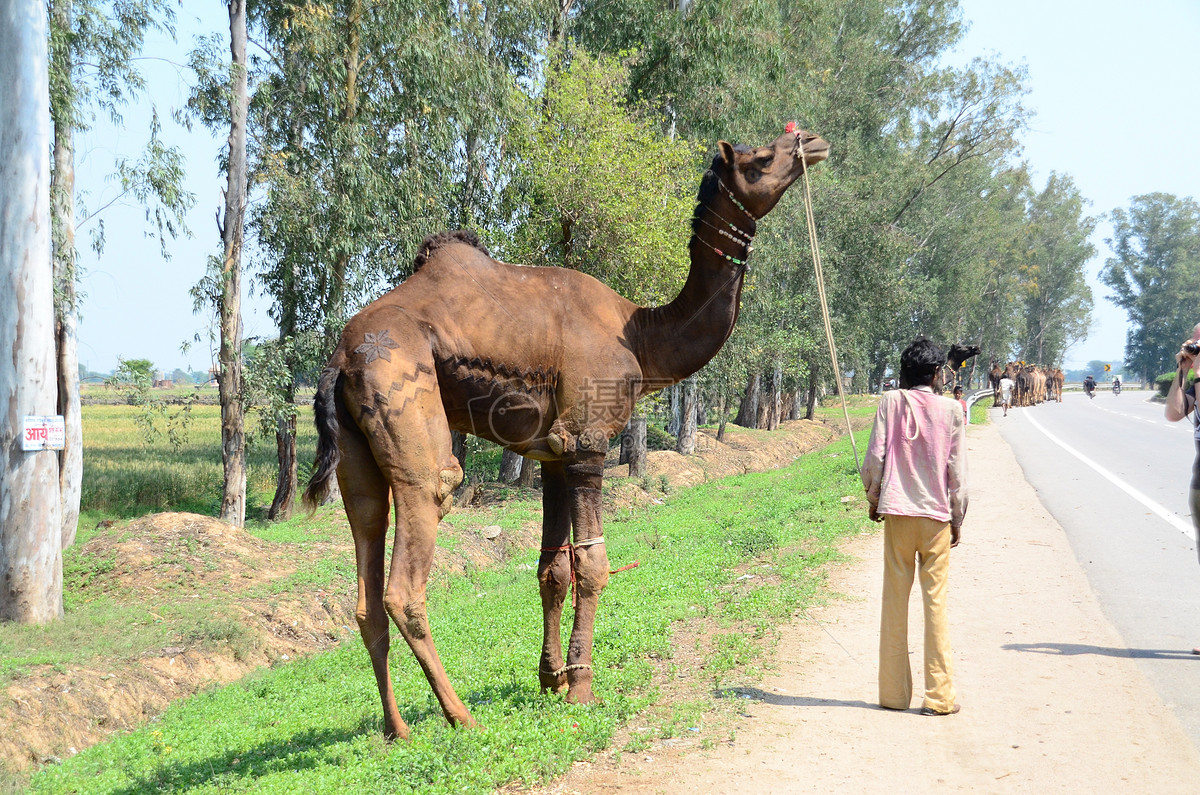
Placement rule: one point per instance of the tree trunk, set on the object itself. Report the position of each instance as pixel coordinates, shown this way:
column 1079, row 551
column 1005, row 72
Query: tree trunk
column 676, row 421
column 685, row 443
column 335, row 307
column 229, row 377
column 623, row 458
column 510, row 466
column 30, row 512
column 747, row 415
column 527, row 473
column 62, row 208
column 775, row 407
column 285, row 449
column 814, row 381
column 637, row 447
column 722, row 417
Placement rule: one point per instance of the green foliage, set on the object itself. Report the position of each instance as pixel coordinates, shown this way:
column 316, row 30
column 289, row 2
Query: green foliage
column 1154, row 270
column 1163, row 382
column 658, row 439
column 134, row 379
column 94, row 46
column 1053, row 269
column 598, row 187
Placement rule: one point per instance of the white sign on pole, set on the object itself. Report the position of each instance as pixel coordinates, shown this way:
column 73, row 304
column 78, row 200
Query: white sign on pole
column 44, row 433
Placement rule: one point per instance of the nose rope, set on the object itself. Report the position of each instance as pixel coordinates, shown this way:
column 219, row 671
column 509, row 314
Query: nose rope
column 820, row 279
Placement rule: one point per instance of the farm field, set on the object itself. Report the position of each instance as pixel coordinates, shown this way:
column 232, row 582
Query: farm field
column 275, row 601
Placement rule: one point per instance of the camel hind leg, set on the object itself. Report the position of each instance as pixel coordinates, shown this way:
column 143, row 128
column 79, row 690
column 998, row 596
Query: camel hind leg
column 365, row 495
column 409, row 436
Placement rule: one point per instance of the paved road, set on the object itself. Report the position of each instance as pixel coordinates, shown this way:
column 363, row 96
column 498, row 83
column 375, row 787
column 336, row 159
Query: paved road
column 1114, row 473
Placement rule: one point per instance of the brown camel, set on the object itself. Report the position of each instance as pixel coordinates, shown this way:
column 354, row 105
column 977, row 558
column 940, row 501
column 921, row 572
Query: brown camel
column 546, row 362
column 994, row 376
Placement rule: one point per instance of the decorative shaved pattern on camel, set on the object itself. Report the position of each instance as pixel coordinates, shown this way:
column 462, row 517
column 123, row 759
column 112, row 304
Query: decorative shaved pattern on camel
column 403, row 392
column 484, row 372
column 375, row 346
column 432, row 243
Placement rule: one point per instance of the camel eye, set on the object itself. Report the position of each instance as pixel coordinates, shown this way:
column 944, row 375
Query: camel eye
column 752, row 175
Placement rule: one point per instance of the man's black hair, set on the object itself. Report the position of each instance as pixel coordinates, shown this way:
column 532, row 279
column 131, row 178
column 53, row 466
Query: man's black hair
column 919, row 363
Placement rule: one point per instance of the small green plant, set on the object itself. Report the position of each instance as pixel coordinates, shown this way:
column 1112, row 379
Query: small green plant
column 134, row 379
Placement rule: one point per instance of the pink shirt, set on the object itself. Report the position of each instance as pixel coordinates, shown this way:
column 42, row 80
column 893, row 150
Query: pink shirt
column 916, row 461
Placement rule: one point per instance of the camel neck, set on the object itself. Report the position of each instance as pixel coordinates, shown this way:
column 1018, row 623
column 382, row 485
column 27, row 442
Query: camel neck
column 677, row 339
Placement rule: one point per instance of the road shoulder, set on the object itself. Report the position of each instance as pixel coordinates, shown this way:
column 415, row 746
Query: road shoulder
column 1051, row 699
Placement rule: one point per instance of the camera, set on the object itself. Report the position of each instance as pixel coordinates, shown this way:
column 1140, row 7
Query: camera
column 1192, row 347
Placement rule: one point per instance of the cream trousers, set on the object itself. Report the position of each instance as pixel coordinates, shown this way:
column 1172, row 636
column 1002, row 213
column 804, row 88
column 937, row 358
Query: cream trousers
column 909, row 541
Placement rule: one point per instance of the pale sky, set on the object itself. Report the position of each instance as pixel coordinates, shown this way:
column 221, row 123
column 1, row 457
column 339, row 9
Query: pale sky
column 1115, row 87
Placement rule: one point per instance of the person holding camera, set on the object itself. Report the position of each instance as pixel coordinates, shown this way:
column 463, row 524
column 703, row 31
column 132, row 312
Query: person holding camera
column 915, row 475
column 1181, row 402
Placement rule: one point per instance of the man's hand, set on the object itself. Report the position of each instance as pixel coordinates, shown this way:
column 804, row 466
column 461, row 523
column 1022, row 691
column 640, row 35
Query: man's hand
column 1186, row 361
column 955, row 535
column 873, row 512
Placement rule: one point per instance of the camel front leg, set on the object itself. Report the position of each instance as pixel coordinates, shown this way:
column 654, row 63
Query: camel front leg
column 591, row 570
column 554, row 573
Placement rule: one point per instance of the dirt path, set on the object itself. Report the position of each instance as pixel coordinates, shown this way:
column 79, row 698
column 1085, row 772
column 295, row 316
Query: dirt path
column 1033, row 719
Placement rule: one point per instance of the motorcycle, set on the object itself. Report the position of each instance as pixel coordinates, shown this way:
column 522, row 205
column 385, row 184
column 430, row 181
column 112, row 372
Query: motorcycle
column 1116, row 387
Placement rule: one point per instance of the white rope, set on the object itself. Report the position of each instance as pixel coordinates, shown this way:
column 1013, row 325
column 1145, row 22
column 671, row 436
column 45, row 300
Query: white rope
column 820, row 276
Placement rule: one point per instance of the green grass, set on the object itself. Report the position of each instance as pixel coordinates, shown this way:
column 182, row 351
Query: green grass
column 124, row 476
column 979, row 411
column 314, row 725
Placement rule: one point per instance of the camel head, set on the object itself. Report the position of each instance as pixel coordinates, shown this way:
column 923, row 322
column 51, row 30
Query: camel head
column 960, row 353
column 758, row 176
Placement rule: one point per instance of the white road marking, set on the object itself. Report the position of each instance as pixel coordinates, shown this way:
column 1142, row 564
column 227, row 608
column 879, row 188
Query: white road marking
column 1171, row 517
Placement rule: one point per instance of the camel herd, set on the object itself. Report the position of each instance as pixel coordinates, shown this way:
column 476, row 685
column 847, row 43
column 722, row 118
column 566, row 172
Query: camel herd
column 1035, row 383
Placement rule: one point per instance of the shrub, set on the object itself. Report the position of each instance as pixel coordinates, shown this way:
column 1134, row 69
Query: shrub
column 1163, row 382
column 658, row 439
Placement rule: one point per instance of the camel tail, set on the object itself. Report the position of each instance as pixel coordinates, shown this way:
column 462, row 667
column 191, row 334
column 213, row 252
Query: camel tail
column 328, row 431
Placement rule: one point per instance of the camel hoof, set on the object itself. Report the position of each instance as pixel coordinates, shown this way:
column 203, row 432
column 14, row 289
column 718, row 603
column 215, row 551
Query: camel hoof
column 553, row 684
column 392, row 735
column 582, row 695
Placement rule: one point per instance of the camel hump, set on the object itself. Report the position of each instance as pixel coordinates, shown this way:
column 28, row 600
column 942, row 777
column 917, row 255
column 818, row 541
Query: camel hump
column 432, row 243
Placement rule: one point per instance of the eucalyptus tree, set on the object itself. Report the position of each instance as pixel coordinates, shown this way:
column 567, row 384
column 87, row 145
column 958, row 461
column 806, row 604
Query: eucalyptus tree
column 30, row 516
column 1154, row 272
column 375, row 124
column 94, row 45
column 1057, row 301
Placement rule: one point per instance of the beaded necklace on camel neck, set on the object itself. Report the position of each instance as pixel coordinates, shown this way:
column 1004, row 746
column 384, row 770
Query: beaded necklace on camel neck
column 738, row 236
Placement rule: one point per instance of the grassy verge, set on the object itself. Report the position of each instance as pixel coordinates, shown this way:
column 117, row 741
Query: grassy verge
column 313, row 725
column 979, row 411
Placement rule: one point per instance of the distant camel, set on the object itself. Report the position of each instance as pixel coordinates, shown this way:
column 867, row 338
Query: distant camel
column 955, row 358
column 546, row 362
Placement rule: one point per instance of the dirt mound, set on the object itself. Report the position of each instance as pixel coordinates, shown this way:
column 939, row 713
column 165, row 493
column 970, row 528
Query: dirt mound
column 174, row 550
column 241, row 622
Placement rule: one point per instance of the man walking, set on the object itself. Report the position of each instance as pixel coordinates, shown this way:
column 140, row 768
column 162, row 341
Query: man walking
column 914, row 473
column 1006, row 390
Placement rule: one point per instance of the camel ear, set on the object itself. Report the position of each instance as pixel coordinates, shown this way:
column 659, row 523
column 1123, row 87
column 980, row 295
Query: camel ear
column 726, row 150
